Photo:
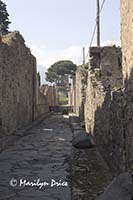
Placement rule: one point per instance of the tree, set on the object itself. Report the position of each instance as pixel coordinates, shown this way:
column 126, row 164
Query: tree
column 60, row 72
column 4, row 20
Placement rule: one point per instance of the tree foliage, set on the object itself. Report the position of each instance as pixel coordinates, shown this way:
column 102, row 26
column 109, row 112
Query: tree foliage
column 60, row 72
column 4, row 18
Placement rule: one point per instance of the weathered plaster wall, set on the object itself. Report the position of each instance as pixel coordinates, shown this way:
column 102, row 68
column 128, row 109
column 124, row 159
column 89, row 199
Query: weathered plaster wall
column 17, row 81
column 20, row 99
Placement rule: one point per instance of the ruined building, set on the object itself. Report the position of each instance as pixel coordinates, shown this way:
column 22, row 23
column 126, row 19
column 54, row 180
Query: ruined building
column 108, row 105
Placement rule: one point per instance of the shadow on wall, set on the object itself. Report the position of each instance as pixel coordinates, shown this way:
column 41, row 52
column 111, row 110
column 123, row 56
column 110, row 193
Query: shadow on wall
column 113, row 128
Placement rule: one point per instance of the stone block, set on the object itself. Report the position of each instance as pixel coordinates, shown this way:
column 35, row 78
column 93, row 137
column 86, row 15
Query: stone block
column 81, row 140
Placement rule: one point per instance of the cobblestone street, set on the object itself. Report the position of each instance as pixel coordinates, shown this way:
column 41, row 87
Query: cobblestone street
column 66, row 100
column 43, row 165
column 43, row 154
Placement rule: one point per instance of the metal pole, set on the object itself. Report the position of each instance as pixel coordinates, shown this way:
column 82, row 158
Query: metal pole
column 98, row 23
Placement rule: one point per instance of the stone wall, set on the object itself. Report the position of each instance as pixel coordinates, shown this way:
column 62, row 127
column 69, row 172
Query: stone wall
column 51, row 92
column 118, row 140
column 127, row 66
column 127, row 69
column 80, row 84
column 42, row 105
column 103, row 109
column 109, row 105
column 18, row 85
column 109, row 97
column 105, row 74
column 77, row 92
column 127, row 38
column 72, row 95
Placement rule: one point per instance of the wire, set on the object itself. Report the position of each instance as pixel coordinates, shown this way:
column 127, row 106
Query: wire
column 87, row 55
column 102, row 6
column 93, row 34
column 94, row 30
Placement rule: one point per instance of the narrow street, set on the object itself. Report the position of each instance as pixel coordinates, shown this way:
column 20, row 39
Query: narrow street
column 43, row 165
column 66, row 100
column 41, row 156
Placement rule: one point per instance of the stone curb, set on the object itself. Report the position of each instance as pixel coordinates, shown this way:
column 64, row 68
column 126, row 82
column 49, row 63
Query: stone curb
column 80, row 139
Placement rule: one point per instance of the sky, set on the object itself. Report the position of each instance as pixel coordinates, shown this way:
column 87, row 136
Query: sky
column 58, row 29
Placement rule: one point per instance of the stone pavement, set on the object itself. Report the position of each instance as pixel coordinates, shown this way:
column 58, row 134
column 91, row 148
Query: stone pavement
column 43, row 165
column 90, row 174
column 35, row 160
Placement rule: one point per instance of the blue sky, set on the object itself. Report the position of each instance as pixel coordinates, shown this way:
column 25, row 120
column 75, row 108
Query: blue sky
column 58, row 29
